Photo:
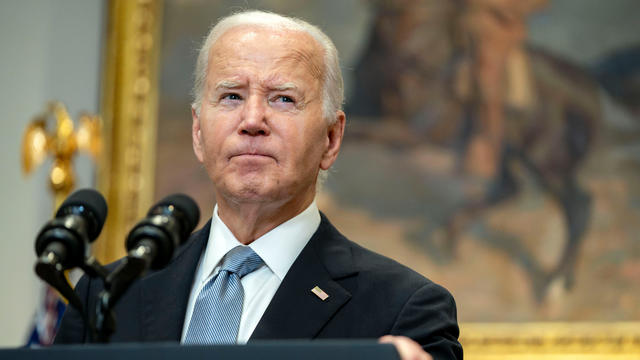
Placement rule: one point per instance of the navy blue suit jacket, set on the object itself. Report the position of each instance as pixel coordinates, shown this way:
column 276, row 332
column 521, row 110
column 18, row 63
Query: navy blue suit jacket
column 369, row 296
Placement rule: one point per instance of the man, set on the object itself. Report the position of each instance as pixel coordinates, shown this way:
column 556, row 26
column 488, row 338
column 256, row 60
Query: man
column 267, row 120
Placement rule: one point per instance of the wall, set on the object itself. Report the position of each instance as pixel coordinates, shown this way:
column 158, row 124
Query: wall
column 50, row 51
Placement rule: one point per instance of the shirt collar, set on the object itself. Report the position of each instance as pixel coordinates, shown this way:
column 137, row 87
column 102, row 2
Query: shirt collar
column 278, row 248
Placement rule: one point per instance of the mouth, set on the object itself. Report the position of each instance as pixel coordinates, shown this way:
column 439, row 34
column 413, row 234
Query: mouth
column 251, row 155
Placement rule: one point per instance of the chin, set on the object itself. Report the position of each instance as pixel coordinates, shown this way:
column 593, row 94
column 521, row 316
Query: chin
column 252, row 191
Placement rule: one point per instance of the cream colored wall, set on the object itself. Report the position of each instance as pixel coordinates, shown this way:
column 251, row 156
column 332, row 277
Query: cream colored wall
column 48, row 50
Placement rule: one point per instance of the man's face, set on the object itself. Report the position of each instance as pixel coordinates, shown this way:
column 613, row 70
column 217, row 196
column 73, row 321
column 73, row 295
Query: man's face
column 261, row 134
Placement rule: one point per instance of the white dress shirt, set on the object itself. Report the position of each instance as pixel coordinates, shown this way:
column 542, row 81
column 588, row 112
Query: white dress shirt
column 278, row 249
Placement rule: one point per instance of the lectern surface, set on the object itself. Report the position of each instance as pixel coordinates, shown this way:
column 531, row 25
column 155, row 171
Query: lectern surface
column 272, row 350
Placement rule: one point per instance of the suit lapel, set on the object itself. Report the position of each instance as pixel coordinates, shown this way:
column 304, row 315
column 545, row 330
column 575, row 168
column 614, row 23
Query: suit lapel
column 295, row 311
column 163, row 316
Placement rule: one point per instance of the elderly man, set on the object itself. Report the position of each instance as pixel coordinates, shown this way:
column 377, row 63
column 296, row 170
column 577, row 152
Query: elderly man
column 267, row 121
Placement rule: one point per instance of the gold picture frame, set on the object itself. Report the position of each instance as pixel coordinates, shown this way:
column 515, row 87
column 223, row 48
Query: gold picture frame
column 129, row 109
column 551, row 340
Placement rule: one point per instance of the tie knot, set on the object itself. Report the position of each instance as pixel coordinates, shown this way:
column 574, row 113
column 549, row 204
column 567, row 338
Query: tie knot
column 241, row 260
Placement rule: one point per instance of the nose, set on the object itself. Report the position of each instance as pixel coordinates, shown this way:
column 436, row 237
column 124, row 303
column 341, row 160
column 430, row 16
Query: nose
column 254, row 118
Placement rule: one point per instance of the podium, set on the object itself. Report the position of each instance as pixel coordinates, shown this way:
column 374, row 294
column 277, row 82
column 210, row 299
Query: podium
column 259, row 350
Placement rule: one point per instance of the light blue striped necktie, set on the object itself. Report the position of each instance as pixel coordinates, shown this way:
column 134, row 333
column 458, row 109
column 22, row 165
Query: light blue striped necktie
column 218, row 308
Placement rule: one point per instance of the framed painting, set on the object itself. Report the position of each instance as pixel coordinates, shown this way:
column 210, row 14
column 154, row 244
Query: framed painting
column 490, row 145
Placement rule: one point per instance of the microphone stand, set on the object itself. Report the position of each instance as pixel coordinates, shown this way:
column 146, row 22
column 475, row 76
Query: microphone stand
column 49, row 269
column 101, row 321
column 115, row 285
column 151, row 245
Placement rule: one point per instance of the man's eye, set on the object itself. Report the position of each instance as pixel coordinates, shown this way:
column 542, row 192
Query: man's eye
column 284, row 98
column 231, row 97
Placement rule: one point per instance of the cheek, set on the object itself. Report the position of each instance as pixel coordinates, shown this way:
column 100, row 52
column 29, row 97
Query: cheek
column 309, row 146
column 211, row 144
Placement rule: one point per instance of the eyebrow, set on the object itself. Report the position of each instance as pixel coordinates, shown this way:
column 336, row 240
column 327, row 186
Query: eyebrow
column 227, row 84
column 285, row 86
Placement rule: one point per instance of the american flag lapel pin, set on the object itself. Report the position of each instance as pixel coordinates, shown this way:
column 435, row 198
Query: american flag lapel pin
column 320, row 293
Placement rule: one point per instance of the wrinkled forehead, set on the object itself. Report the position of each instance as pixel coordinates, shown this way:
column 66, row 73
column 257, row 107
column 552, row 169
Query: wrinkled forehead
column 284, row 46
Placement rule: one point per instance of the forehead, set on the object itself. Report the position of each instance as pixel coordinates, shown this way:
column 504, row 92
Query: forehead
column 266, row 49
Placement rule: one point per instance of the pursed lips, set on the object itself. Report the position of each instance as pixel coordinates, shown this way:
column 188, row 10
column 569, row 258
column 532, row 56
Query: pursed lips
column 252, row 154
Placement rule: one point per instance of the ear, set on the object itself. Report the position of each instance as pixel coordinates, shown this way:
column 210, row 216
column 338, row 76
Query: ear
column 196, row 136
column 334, row 140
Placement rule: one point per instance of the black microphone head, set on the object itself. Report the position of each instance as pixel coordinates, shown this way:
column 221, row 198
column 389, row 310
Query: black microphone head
column 89, row 204
column 185, row 209
column 167, row 225
column 78, row 221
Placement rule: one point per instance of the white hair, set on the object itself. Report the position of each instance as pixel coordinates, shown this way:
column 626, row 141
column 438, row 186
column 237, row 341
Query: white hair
column 332, row 86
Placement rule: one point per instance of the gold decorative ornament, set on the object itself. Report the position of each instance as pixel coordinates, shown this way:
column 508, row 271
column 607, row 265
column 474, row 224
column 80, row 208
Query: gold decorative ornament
column 62, row 143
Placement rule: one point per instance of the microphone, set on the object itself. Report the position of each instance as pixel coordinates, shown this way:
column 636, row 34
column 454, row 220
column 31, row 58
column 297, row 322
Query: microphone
column 63, row 241
column 167, row 225
column 151, row 244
